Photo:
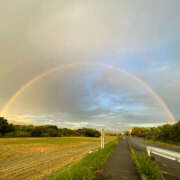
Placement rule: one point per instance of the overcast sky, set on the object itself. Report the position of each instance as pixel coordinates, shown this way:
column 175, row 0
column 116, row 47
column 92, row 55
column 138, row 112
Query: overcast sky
column 142, row 37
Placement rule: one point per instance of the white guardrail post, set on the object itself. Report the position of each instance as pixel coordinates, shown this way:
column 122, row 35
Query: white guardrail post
column 164, row 153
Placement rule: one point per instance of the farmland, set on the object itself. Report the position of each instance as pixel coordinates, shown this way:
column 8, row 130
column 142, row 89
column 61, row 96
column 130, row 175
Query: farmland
column 25, row 158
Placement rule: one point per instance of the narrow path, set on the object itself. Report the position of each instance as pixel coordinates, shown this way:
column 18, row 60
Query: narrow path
column 119, row 165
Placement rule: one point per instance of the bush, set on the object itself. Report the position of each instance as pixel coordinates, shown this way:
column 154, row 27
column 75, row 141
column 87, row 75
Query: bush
column 146, row 166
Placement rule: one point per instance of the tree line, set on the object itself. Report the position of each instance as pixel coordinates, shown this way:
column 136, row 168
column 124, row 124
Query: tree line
column 166, row 133
column 11, row 130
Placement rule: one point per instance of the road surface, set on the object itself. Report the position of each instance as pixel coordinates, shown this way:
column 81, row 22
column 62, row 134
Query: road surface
column 170, row 168
column 119, row 165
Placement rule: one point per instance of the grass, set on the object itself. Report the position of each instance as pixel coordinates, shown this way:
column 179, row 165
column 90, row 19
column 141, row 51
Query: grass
column 86, row 168
column 23, row 158
column 169, row 144
column 45, row 140
column 146, row 166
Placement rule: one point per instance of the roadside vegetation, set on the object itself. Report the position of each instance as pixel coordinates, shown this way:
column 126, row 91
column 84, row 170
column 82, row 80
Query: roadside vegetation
column 11, row 130
column 167, row 133
column 146, row 166
column 87, row 167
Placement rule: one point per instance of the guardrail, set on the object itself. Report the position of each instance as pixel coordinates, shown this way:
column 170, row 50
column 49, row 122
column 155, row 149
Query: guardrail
column 164, row 153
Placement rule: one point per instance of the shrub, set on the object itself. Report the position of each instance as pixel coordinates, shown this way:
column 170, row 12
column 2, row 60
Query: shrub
column 146, row 166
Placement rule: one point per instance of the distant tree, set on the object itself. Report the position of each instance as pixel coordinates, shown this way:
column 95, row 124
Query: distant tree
column 51, row 131
column 89, row 132
column 37, row 132
column 67, row 132
column 10, row 130
column 175, row 132
column 166, row 133
column 5, row 127
column 139, row 131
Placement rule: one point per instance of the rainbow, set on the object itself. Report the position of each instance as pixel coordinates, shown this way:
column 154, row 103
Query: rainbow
column 62, row 67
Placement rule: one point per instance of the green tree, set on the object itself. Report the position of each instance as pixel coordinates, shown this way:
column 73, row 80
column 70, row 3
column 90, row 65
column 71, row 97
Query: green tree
column 4, row 126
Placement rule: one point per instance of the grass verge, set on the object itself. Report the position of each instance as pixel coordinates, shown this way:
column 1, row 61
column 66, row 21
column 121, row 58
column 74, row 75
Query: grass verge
column 169, row 144
column 86, row 168
column 146, row 166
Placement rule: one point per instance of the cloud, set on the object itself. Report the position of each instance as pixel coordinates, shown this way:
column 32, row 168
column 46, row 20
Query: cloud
column 65, row 99
column 142, row 37
column 163, row 68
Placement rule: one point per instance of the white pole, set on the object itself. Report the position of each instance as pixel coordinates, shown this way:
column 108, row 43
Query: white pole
column 102, row 139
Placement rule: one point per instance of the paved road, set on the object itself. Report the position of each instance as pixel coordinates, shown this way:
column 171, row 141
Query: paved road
column 119, row 166
column 170, row 168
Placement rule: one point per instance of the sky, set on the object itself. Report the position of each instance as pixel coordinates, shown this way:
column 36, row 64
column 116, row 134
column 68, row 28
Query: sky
column 100, row 49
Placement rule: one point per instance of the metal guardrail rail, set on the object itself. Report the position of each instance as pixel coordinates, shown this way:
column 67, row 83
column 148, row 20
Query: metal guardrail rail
column 164, row 153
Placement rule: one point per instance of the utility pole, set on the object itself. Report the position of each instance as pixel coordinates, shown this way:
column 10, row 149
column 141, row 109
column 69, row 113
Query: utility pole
column 102, row 139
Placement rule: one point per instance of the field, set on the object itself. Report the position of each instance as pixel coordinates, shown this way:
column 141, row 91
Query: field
column 25, row 158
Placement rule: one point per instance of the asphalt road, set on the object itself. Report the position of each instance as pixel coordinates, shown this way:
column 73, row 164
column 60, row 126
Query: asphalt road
column 170, row 168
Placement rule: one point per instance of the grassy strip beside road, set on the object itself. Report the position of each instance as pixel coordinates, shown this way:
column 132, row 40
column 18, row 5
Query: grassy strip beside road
column 146, row 166
column 169, row 144
column 86, row 168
